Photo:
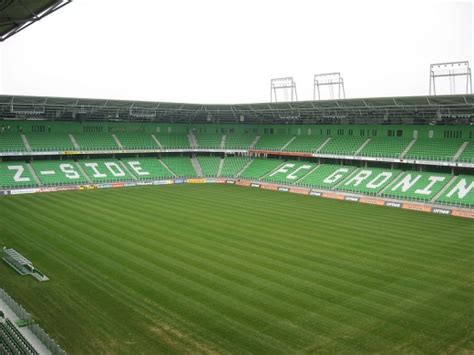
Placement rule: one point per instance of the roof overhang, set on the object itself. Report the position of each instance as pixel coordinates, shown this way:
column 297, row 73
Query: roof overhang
column 16, row 15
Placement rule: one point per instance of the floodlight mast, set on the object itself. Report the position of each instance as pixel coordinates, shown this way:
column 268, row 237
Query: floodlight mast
column 450, row 70
column 287, row 86
column 329, row 80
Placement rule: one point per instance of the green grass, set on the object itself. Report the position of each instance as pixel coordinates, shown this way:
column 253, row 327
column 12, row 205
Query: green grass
column 226, row 269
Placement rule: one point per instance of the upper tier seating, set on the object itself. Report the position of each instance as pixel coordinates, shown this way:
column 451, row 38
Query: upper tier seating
column 11, row 142
column 239, row 141
column 181, row 166
column 260, row 167
column 49, row 141
column 467, row 155
column 173, row 141
column 210, row 141
column 272, row 142
column 62, row 172
column 233, row 165
column 209, row 165
column 387, row 147
column 434, row 149
column 306, row 144
column 136, row 140
column 95, row 141
column 343, row 145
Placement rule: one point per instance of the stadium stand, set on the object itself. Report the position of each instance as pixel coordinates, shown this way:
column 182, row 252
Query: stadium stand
column 136, row 141
column 343, row 145
column 388, row 147
column 173, row 141
column 272, row 142
column 239, row 141
column 209, row 165
column 61, row 172
column 434, row 149
column 326, row 176
column 467, row 155
column 233, row 165
column 105, row 170
column 49, row 141
column 147, row 168
column 260, row 167
column 290, row 172
column 16, row 175
column 369, row 180
column 180, row 166
column 95, row 141
column 305, row 144
column 12, row 341
column 460, row 192
column 210, row 141
column 417, row 186
column 11, row 142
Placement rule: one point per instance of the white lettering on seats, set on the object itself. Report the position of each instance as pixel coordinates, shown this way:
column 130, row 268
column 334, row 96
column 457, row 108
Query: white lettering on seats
column 359, row 177
column 69, row 171
column 406, row 183
column 19, row 170
column 335, row 176
column 427, row 189
column 283, row 169
column 93, row 166
column 135, row 165
column 115, row 169
column 292, row 176
column 375, row 183
column 461, row 189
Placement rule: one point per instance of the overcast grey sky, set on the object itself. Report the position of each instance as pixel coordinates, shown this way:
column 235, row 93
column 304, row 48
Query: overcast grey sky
column 219, row 51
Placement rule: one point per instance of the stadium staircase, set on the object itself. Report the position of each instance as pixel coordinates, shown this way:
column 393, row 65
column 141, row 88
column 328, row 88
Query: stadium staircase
column 444, row 189
column 26, row 143
column 119, row 144
column 288, row 143
column 122, row 163
column 407, row 149
column 156, row 141
column 79, row 166
column 197, row 167
column 318, row 150
column 362, row 146
column 167, row 168
column 222, row 146
column 221, row 165
column 74, row 142
column 392, row 183
column 462, row 148
column 254, row 142
column 192, row 140
column 33, row 173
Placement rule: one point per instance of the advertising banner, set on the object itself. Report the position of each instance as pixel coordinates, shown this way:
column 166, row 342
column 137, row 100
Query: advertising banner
column 315, row 193
column 372, row 201
column 23, row 191
column 413, row 207
column 393, row 204
column 163, row 182
column 351, row 198
column 145, row 183
column 104, row 186
column 333, row 196
column 130, row 184
column 269, row 187
column 254, row 185
column 297, row 190
column 196, row 181
column 243, row 183
column 283, row 189
column 179, row 181
column 212, row 181
column 438, row 210
column 230, row 182
column 116, row 185
column 462, row 213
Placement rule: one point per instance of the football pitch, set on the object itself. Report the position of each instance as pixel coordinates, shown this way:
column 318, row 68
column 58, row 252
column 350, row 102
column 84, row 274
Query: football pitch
column 226, row 269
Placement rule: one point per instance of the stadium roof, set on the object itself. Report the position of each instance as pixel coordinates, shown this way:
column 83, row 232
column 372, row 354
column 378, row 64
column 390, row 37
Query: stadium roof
column 410, row 109
column 16, row 15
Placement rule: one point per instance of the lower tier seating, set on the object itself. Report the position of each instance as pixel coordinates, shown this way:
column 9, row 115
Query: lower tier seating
column 106, row 170
column 233, row 165
column 61, row 172
column 260, row 167
column 147, row 168
column 209, row 165
column 180, row 166
column 15, row 175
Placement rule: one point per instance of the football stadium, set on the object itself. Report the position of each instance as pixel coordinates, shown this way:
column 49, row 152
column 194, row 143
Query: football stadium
column 340, row 225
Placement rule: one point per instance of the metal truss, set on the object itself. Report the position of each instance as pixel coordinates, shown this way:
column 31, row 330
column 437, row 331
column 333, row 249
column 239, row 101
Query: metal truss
column 451, row 71
column 286, row 86
column 329, row 81
column 15, row 24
